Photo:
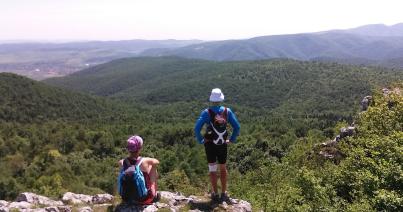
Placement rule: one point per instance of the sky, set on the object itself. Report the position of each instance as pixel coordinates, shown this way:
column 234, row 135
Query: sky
column 185, row 19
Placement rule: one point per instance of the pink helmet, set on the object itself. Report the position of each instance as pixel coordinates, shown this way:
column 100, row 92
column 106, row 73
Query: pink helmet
column 134, row 143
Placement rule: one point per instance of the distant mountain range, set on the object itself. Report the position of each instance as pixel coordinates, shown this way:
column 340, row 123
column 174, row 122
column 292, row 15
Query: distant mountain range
column 369, row 45
column 43, row 60
column 376, row 44
column 376, row 30
column 128, row 46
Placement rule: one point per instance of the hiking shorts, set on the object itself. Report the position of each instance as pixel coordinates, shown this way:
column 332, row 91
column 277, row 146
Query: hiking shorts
column 216, row 152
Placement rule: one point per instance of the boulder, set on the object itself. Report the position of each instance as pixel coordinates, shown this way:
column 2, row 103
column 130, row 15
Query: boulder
column 150, row 208
column 174, row 199
column 350, row 130
column 365, row 103
column 168, row 195
column 4, row 209
column 347, row 131
column 75, row 199
column 20, row 205
column 37, row 199
column 3, row 203
column 102, row 199
column 343, row 132
column 386, row 91
column 242, row 206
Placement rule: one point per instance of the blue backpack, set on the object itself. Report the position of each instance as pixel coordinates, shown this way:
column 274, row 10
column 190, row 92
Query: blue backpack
column 132, row 185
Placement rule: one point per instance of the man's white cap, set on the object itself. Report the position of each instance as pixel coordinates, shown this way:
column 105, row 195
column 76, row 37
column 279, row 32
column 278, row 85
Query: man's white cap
column 216, row 95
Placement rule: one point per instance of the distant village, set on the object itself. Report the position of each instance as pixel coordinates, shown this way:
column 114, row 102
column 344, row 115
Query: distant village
column 42, row 70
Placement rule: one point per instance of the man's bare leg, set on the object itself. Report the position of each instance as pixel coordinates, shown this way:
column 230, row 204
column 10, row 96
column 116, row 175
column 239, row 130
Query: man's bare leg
column 213, row 178
column 223, row 177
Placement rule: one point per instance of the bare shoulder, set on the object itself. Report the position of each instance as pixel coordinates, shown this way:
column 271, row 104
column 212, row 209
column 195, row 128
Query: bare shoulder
column 120, row 163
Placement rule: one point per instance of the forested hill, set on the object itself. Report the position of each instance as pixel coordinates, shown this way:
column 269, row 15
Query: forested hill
column 25, row 100
column 280, row 83
column 285, row 107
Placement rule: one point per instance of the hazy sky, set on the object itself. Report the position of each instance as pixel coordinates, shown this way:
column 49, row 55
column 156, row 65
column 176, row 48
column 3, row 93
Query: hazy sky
column 185, row 19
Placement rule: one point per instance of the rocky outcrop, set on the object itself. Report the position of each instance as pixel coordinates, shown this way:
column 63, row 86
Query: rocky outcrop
column 102, row 199
column 329, row 148
column 19, row 205
column 178, row 202
column 366, row 102
column 3, row 206
column 76, row 199
column 30, row 202
column 37, row 199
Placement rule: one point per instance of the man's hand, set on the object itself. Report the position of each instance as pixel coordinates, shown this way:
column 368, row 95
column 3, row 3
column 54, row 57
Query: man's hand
column 206, row 141
column 227, row 141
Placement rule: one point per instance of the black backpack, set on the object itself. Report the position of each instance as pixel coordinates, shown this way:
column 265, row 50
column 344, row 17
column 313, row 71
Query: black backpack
column 217, row 129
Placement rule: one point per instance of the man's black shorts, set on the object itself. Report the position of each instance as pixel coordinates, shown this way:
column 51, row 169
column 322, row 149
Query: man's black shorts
column 216, row 152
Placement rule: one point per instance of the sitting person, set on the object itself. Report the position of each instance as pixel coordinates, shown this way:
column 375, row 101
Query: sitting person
column 138, row 176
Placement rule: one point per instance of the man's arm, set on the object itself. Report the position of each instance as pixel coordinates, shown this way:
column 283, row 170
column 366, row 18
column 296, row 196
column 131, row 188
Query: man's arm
column 199, row 124
column 235, row 125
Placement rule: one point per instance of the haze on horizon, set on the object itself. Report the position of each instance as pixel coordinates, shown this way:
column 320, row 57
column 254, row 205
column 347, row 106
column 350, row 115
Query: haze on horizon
column 185, row 19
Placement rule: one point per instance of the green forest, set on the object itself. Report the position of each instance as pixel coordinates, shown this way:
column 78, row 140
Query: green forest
column 67, row 134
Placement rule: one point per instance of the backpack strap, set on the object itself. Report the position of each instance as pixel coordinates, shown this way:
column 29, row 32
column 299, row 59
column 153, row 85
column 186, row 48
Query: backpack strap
column 139, row 161
column 211, row 114
column 126, row 163
column 225, row 114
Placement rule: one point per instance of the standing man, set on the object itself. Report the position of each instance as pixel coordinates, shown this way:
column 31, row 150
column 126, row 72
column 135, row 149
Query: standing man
column 215, row 139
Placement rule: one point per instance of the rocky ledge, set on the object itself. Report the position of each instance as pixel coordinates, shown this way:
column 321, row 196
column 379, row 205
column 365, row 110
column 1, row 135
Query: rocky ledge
column 177, row 202
column 329, row 149
column 30, row 202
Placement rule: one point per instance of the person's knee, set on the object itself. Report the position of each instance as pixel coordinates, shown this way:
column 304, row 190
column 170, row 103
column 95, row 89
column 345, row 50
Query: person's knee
column 212, row 167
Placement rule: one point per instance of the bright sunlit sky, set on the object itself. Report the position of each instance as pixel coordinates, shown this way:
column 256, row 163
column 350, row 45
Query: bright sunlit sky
column 185, row 19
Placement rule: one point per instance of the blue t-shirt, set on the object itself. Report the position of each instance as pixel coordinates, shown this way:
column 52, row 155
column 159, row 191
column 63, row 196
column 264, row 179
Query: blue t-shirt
column 205, row 119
